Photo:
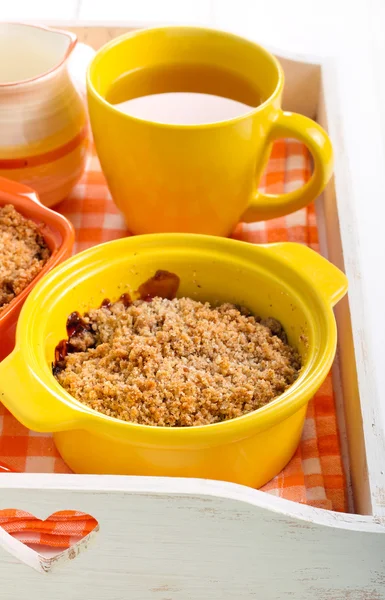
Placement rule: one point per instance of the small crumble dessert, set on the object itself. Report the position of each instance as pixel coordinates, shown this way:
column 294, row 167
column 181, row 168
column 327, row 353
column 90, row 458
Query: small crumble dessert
column 174, row 362
column 23, row 253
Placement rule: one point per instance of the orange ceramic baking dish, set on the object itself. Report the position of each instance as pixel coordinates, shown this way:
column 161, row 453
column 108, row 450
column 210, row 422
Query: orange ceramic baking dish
column 59, row 236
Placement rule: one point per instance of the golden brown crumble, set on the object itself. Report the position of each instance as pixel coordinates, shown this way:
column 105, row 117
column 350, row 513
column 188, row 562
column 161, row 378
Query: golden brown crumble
column 23, row 253
column 176, row 362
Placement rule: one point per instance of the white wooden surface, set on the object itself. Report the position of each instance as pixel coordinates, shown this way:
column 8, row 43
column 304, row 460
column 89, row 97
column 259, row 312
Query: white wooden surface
column 192, row 540
column 326, row 89
column 359, row 185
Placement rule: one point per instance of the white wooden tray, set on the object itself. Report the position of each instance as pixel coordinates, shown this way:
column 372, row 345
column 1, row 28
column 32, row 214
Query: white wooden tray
column 187, row 539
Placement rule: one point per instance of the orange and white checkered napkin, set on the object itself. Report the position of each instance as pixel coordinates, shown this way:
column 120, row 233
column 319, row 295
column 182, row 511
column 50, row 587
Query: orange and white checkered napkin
column 314, row 475
column 61, row 530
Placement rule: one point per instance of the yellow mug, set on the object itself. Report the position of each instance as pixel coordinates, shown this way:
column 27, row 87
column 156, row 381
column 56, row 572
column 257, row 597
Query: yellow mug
column 197, row 178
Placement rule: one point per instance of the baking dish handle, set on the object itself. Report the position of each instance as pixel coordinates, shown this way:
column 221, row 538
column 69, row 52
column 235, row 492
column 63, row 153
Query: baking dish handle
column 327, row 278
column 15, row 188
column 29, row 400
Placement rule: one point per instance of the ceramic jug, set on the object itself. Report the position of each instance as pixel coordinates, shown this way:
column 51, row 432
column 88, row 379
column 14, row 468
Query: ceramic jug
column 43, row 119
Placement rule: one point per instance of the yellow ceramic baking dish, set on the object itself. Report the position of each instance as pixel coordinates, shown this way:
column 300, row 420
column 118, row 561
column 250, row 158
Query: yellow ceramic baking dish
column 287, row 281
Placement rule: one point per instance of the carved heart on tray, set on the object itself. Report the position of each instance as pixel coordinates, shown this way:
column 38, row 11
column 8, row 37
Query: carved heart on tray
column 37, row 541
column 44, row 543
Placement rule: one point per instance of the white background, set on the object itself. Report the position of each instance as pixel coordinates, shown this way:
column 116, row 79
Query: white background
column 304, row 24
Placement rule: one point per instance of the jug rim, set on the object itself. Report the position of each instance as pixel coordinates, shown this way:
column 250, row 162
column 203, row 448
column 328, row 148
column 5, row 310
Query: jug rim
column 72, row 43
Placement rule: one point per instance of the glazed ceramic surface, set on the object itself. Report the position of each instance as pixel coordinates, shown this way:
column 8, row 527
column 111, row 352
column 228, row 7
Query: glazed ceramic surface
column 43, row 121
column 299, row 288
column 197, row 178
column 59, row 236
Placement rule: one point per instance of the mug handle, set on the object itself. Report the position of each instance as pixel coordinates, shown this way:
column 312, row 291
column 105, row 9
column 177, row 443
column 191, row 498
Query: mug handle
column 292, row 125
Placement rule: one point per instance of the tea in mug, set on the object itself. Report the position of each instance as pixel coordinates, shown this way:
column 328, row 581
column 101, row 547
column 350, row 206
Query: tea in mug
column 183, row 94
